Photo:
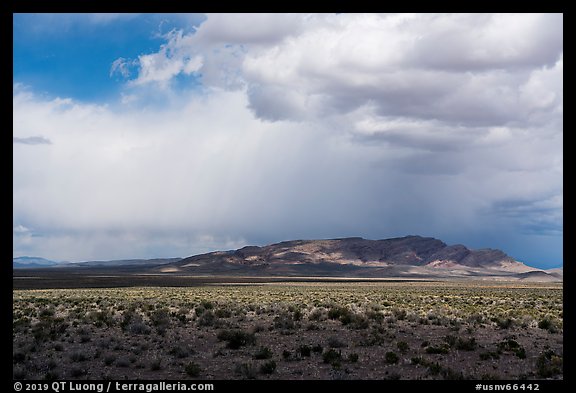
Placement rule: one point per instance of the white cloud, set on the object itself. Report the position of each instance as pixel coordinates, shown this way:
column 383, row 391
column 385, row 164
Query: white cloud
column 244, row 29
column 162, row 66
column 452, row 67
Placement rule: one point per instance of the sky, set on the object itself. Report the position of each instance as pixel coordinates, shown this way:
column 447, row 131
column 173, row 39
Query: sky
column 170, row 135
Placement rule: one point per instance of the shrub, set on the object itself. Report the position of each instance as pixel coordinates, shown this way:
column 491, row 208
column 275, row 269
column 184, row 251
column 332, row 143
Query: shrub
column 317, row 348
column 466, row 344
column 284, row 321
column 18, row 357
column 181, row 316
column 246, row 370
column 377, row 336
column 223, row 312
column 199, row 310
column 434, row 368
column 123, row 362
column 548, row 324
column 359, row 322
column 160, row 318
column 335, row 342
column 450, row 340
column 156, row 364
column 331, row 356
column 268, row 367
column 297, row 316
column 317, row 315
column 375, row 316
column 263, row 353
column 353, row 357
column 399, row 313
column 49, row 329
column 51, row 375
column 443, row 349
column 489, row 355
column 338, row 312
column 208, row 318
column 304, row 350
column 511, row 345
column 508, row 345
column 549, row 364
column 192, row 369
column 51, row 364
column 128, row 317
column 19, row 372
column 503, row 323
column 236, row 338
column 207, row 304
column 448, row 373
column 545, row 323
column 109, row 359
column 77, row 372
column 78, row 357
column 391, row 358
column 99, row 318
column 179, row 351
column 138, row 327
column 46, row 312
column 476, row 319
column 402, row 346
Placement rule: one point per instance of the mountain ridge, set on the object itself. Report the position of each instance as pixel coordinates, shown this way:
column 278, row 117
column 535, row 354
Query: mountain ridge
column 408, row 256
column 407, row 250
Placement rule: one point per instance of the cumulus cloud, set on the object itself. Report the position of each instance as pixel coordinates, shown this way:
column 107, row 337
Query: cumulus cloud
column 450, row 67
column 310, row 126
column 261, row 28
column 162, row 66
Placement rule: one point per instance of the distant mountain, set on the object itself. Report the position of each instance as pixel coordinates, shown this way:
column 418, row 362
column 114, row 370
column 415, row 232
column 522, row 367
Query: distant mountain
column 35, row 262
column 410, row 256
column 127, row 262
column 538, row 276
column 556, row 272
column 31, row 262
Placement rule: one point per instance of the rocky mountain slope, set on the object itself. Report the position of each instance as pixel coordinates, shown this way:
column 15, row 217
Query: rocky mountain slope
column 410, row 256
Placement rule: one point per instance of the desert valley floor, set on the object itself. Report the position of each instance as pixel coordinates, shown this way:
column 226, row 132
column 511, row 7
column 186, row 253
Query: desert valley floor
column 291, row 330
